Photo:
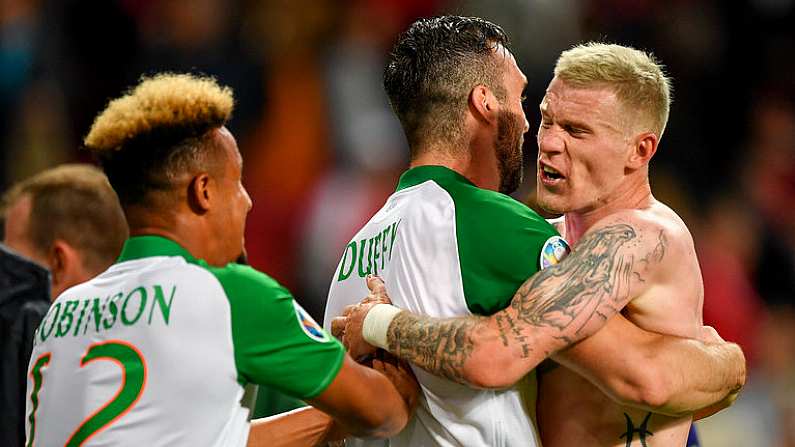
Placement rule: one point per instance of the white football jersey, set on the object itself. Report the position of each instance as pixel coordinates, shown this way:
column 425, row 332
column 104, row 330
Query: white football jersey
column 447, row 248
column 156, row 351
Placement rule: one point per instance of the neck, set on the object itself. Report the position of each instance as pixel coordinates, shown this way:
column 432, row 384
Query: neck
column 478, row 166
column 180, row 228
column 633, row 195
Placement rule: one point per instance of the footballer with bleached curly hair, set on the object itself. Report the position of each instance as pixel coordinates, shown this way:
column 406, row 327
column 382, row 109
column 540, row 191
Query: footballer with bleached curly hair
column 157, row 350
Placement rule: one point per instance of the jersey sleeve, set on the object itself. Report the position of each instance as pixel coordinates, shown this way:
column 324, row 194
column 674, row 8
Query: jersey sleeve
column 500, row 244
column 276, row 342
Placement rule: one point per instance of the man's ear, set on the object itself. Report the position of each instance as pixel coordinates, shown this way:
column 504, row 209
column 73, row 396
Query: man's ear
column 644, row 146
column 66, row 267
column 483, row 104
column 200, row 193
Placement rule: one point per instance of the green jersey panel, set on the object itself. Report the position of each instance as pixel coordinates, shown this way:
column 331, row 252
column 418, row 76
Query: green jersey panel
column 500, row 240
column 276, row 342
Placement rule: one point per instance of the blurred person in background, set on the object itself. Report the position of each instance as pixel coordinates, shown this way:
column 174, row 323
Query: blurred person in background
column 24, row 299
column 186, row 326
column 67, row 219
column 69, row 222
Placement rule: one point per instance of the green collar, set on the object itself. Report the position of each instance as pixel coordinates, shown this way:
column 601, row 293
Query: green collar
column 138, row 247
column 421, row 174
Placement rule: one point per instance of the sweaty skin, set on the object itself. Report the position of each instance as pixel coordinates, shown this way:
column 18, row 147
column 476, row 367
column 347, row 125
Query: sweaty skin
column 572, row 410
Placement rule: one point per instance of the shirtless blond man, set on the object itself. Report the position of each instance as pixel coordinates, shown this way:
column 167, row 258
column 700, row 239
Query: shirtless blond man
column 602, row 118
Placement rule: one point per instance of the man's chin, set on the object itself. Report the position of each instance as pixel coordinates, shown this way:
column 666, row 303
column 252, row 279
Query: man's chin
column 550, row 206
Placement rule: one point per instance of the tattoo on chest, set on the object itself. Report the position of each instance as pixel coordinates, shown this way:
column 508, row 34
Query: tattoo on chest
column 642, row 431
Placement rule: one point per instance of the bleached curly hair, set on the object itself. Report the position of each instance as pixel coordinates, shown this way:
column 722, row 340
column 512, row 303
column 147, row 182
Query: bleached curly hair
column 158, row 130
column 636, row 77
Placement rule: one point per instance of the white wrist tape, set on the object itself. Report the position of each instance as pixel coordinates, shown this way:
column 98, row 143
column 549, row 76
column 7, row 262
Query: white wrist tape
column 376, row 324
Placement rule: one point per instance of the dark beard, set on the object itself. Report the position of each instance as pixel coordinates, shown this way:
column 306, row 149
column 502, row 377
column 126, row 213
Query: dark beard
column 508, row 145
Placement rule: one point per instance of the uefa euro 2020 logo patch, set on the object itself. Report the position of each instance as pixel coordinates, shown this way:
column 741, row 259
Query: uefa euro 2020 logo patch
column 308, row 325
column 554, row 250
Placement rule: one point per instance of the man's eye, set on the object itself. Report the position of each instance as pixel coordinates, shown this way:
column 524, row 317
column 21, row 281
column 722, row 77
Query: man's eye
column 574, row 130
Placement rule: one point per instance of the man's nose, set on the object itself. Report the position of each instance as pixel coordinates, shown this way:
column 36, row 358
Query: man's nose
column 550, row 141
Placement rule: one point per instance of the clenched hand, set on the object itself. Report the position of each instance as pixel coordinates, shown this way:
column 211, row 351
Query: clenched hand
column 348, row 327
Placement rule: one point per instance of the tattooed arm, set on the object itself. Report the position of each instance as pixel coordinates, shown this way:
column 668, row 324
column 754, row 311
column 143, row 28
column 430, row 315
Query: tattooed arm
column 613, row 263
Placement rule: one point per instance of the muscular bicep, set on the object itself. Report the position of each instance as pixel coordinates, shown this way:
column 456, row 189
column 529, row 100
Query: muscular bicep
column 661, row 373
column 619, row 359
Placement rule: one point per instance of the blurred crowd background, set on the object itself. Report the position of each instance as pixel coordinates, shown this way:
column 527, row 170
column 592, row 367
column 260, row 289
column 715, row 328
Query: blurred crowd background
column 322, row 149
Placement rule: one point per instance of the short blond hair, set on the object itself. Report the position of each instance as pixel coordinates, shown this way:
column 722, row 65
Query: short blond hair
column 157, row 130
column 75, row 203
column 636, row 77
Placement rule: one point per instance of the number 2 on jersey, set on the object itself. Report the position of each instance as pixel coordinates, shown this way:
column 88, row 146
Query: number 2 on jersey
column 133, row 369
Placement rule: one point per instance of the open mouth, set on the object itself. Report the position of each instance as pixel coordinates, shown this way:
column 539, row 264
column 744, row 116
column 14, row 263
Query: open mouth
column 549, row 175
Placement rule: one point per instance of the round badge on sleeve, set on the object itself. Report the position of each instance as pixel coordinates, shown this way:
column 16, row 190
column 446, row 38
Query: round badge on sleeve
column 555, row 249
column 308, row 325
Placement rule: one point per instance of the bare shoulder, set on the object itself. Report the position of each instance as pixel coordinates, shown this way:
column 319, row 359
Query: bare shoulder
column 657, row 218
column 672, row 298
column 653, row 237
column 674, row 224
column 639, row 227
column 667, row 224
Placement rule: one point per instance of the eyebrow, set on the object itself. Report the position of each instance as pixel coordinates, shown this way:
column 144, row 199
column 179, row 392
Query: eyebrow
column 567, row 122
column 577, row 124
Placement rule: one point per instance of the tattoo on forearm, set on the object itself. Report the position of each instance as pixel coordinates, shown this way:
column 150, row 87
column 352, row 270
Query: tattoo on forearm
column 508, row 325
column 595, row 281
column 642, row 431
column 440, row 347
